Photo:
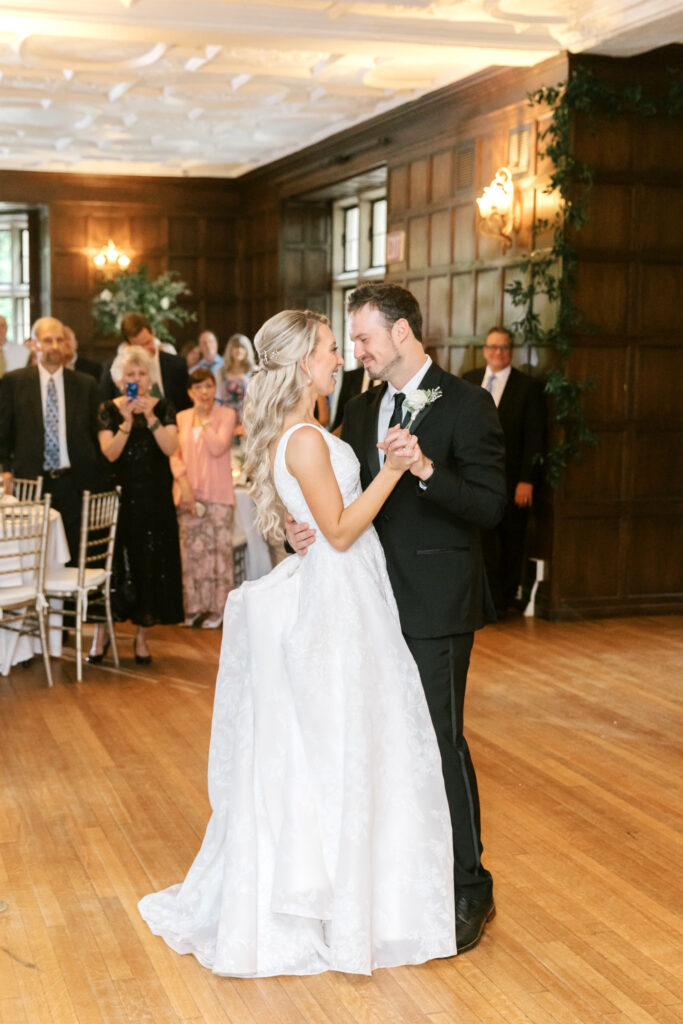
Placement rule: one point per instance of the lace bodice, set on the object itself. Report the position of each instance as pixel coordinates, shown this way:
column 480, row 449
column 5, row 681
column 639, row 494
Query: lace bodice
column 345, row 466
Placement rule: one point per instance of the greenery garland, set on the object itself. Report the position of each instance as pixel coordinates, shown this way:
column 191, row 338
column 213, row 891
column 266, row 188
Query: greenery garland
column 572, row 179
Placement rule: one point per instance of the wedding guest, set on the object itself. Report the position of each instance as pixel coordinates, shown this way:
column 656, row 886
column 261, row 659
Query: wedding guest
column 204, row 497
column 137, row 435
column 238, row 365
column 208, row 348
column 73, row 360
column 521, row 410
column 168, row 371
column 48, row 428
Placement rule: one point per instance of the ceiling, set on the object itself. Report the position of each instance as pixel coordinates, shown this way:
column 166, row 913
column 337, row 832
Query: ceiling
column 217, row 87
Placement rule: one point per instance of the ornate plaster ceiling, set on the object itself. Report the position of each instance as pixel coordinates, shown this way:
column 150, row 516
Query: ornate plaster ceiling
column 217, row 87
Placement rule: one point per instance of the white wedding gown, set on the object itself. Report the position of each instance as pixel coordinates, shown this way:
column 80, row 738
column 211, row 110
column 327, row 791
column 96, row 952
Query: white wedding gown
column 329, row 846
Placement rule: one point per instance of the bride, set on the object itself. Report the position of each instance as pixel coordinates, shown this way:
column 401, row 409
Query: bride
column 329, row 846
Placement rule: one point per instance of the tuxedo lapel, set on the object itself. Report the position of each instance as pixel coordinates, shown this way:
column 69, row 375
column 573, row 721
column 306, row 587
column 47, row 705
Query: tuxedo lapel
column 431, row 379
column 371, row 450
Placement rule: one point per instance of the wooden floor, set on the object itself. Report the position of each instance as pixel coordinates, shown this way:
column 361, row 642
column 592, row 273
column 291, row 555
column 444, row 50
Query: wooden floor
column 576, row 733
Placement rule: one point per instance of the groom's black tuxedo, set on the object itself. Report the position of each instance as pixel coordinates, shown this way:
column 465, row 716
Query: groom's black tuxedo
column 431, row 537
column 432, row 543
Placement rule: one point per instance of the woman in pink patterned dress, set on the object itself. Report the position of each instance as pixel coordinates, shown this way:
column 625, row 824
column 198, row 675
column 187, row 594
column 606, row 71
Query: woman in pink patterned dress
column 205, row 501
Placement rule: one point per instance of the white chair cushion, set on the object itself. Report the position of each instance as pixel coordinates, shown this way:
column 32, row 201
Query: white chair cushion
column 11, row 596
column 64, row 580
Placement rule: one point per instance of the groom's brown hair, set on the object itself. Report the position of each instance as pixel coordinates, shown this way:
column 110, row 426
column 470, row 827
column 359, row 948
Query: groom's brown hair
column 392, row 301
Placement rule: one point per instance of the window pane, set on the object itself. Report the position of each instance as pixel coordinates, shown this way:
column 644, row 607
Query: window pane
column 24, row 256
column 351, row 218
column 379, row 233
column 5, row 257
column 24, row 324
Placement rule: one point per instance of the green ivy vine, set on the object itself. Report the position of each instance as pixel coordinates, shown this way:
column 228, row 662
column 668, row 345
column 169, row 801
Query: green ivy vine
column 551, row 271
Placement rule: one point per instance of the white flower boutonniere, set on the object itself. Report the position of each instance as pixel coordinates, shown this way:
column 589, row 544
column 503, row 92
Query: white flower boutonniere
column 416, row 401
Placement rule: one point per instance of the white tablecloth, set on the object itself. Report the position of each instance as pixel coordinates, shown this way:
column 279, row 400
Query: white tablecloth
column 15, row 648
column 258, row 555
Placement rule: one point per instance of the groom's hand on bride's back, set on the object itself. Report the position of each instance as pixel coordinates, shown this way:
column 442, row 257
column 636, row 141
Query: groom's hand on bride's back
column 299, row 535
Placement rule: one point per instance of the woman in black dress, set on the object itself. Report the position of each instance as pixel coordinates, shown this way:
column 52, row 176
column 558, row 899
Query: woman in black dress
column 137, row 434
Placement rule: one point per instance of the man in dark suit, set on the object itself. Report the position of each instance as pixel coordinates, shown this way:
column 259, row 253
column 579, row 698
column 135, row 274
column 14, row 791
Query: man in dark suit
column 48, row 427
column 430, row 531
column 73, row 360
column 169, row 372
column 521, row 410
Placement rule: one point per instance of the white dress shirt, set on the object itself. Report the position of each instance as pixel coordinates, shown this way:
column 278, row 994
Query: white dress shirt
column 58, row 377
column 386, row 406
column 498, row 384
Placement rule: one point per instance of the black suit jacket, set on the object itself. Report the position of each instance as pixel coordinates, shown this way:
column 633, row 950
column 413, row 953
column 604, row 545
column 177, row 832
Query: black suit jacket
column 352, row 382
column 90, row 366
column 522, row 416
column 22, row 431
column 431, row 538
column 173, row 375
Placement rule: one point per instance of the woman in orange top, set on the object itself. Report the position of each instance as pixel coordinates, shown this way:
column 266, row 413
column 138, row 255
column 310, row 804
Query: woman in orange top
column 205, row 501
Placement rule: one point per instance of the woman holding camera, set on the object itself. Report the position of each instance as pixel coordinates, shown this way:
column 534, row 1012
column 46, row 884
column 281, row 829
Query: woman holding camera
column 138, row 434
column 205, row 499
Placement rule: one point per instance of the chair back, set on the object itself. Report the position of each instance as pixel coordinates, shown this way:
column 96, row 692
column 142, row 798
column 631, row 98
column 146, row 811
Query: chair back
column 23, row 543
column 27, row 490
column 99, row 517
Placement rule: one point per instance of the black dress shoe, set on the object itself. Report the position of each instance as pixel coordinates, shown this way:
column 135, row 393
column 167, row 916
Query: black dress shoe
column 96, row 659
column 471, row 916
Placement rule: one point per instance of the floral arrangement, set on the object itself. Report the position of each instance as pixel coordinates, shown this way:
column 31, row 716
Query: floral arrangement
column 132, row 291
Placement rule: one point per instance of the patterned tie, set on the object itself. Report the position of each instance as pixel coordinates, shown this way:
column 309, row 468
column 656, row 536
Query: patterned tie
column 397, row 414
column 489, row 384
column 51, row 459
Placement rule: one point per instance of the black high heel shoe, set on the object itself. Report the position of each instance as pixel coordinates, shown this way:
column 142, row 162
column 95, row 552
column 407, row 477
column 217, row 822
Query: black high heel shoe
column 96, row 659
column 141, row 659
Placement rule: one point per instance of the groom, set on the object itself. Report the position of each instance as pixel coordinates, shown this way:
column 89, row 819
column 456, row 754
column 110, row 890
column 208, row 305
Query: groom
column 430, row 529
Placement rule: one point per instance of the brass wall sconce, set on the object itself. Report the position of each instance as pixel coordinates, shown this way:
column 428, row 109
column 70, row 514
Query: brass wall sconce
column 497, row 214
column 110, row 256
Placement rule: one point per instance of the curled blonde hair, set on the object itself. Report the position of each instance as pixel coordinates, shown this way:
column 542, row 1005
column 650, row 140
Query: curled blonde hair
column 130, row 355
column 274, row 389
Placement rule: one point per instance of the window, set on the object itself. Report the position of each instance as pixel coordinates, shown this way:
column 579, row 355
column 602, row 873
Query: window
column 359, row 253
column 14, row 276
column 351, row 238
column 378, row 233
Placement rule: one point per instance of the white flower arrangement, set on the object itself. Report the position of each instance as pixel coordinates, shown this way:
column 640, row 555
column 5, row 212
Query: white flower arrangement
column 417, row 400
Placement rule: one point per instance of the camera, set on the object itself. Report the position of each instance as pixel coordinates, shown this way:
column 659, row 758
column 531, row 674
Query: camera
column 132, row 389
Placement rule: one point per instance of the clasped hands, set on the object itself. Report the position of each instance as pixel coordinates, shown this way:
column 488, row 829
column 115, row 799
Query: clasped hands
column 402, row 451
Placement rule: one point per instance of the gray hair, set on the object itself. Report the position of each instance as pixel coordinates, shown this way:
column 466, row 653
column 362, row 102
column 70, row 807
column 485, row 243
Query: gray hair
column 130, row 355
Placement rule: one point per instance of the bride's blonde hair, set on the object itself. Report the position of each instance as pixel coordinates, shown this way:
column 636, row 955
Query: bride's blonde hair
column 274, row 389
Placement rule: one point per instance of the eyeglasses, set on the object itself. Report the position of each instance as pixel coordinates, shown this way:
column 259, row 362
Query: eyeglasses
column 498, row 348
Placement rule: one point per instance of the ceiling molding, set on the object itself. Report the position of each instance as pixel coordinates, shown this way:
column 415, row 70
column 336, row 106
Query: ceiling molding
column 221, row 87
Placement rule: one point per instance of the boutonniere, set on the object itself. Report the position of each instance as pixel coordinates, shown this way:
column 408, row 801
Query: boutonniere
column 416, row 401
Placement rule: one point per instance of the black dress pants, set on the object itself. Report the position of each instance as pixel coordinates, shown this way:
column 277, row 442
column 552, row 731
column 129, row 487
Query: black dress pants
column 66, row 498
column 443, row 663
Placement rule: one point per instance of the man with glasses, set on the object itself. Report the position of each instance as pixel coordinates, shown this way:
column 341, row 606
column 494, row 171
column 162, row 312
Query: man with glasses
column 519, row 400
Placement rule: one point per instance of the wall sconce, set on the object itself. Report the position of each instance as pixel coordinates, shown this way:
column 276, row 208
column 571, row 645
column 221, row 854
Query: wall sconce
column 109, row 255
column 497, row 208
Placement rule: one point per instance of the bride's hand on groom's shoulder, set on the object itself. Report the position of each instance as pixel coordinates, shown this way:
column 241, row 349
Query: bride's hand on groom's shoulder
column 299, row 535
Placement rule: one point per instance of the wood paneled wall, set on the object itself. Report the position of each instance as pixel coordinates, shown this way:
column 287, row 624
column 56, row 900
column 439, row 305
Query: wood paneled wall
column 190, row 226
column 618, row 518
column 247, row 248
